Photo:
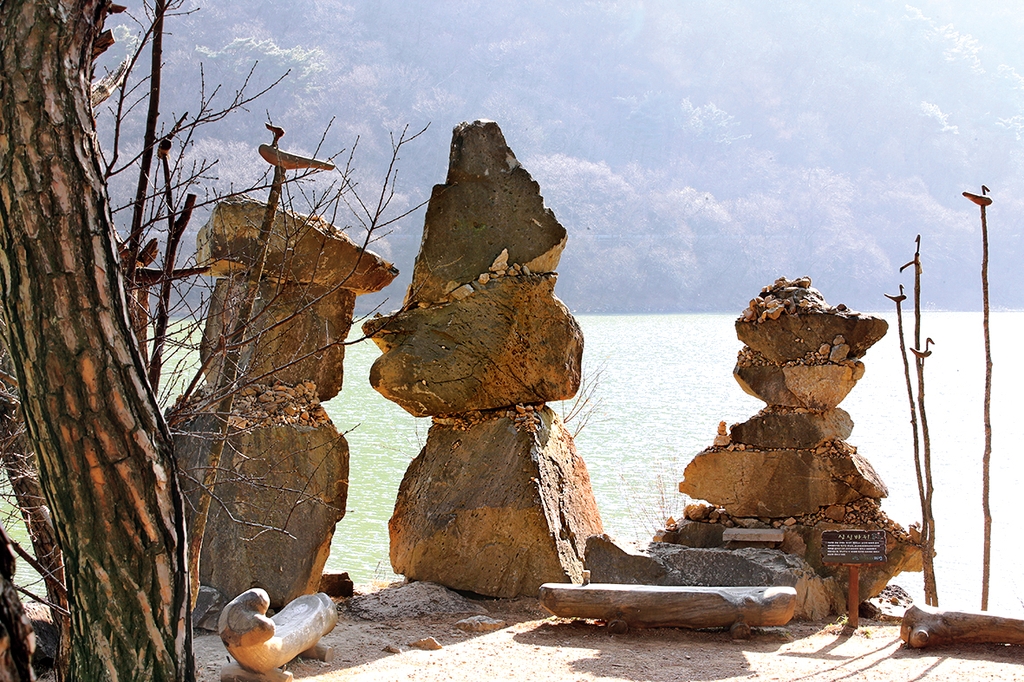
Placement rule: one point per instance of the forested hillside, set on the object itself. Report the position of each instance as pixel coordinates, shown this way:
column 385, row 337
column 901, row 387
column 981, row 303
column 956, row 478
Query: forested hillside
column 694, row 151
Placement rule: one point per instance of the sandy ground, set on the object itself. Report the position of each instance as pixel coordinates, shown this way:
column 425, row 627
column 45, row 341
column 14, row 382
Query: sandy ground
column 534, row 646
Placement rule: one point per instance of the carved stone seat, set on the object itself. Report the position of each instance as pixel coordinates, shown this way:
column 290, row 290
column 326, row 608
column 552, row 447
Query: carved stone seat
column 261, row 645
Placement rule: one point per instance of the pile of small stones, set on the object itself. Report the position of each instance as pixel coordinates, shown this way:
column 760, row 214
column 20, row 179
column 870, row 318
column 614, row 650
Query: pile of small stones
column 262, row 405
column 526, row 417
column 833, row 448
column 787, row 296
column 834, row 354
column 498, row 269
column 864, row 513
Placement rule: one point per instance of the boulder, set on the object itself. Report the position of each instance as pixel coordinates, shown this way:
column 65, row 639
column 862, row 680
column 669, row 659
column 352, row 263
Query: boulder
column 299, row 330
column 776, row 429
column 815, row 387
column 280, row 492
column 667, row 564
column 791, row 337
column 494, row 510
column 488, row 207
column 695, row 534
column 46, row 634
column 780, row 483
column 510, row 342
column 206, row 612
column 302, row 249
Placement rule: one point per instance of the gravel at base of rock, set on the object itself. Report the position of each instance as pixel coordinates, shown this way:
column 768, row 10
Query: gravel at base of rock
column 411, row 601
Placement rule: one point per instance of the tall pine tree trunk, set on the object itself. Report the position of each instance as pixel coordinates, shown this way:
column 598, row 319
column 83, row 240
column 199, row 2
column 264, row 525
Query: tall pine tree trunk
column 104, row 452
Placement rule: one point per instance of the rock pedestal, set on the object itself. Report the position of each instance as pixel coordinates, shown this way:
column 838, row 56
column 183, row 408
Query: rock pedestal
column 789, row 466
column 494, row 507
column 283, row 479
column 281, row 492
column 498, row 502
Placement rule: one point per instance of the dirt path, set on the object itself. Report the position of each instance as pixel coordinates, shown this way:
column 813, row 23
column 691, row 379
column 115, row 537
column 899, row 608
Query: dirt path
column 535, row 647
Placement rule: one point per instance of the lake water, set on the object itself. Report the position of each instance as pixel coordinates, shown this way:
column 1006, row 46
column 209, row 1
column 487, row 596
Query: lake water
column 665, row 381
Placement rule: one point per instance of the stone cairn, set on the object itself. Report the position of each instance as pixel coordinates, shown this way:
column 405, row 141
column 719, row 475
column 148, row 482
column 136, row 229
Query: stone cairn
column 789, row 467
column 498, row 501
column 284, row 466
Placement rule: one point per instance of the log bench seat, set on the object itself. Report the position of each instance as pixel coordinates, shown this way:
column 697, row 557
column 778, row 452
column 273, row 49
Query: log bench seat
column 651, row 606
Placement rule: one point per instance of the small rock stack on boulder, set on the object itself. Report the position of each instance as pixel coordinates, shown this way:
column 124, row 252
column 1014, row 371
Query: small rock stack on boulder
column 498, row 501
column 789, row 466
column 284, row 466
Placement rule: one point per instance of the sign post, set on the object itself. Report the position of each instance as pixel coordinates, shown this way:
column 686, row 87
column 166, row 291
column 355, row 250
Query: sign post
column 853, row 548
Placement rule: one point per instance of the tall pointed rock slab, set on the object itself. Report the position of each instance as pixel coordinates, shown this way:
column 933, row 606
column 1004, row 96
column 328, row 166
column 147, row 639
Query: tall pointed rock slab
column 489, row 204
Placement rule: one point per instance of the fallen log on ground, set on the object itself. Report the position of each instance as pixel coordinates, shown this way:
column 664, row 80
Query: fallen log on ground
column 651, row 606
column 928, row 626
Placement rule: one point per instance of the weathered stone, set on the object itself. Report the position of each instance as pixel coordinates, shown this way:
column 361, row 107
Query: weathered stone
column 696, row 534
column 511, row 342
column 793, row 430
column 488, row 204
column 337, row 585
column 815, row 387
column 480, row 624
column 494, row 510
column 779, row 483
column 426, row 644
column 47, row 635
column 791, row 337
column 206, row 612
column 836, row 512
column 900, row 556
column 302, row 249
column 299, row 330
column 667, row 564
column 699, row 510
column 281, row 478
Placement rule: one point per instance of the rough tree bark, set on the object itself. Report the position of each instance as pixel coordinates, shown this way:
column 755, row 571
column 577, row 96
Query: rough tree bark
column 16, row 643
column 104, row 451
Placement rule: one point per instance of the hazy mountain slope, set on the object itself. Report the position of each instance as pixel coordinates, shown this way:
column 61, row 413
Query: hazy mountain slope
column 694, row 151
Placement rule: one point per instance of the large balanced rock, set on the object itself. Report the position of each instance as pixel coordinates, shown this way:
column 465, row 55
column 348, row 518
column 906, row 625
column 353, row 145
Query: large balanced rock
column 280, row 493
column 777, row 427
column 494, row 509
column 488, row 205
column 510, row 342
column 667, row 564
column 302, row 249
column 815, row 387
column 792, row 337
column 780, row 483
column 298, row 332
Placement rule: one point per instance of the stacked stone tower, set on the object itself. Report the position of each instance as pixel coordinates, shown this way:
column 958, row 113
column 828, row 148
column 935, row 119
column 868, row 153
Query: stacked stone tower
column 283, row 478
column 498, row 502
column 789, row 466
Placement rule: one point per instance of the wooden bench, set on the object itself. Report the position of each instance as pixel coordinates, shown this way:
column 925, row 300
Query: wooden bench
column 653, row 606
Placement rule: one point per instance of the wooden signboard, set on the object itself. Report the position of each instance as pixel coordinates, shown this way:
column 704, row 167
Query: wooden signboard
column 853, row 548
